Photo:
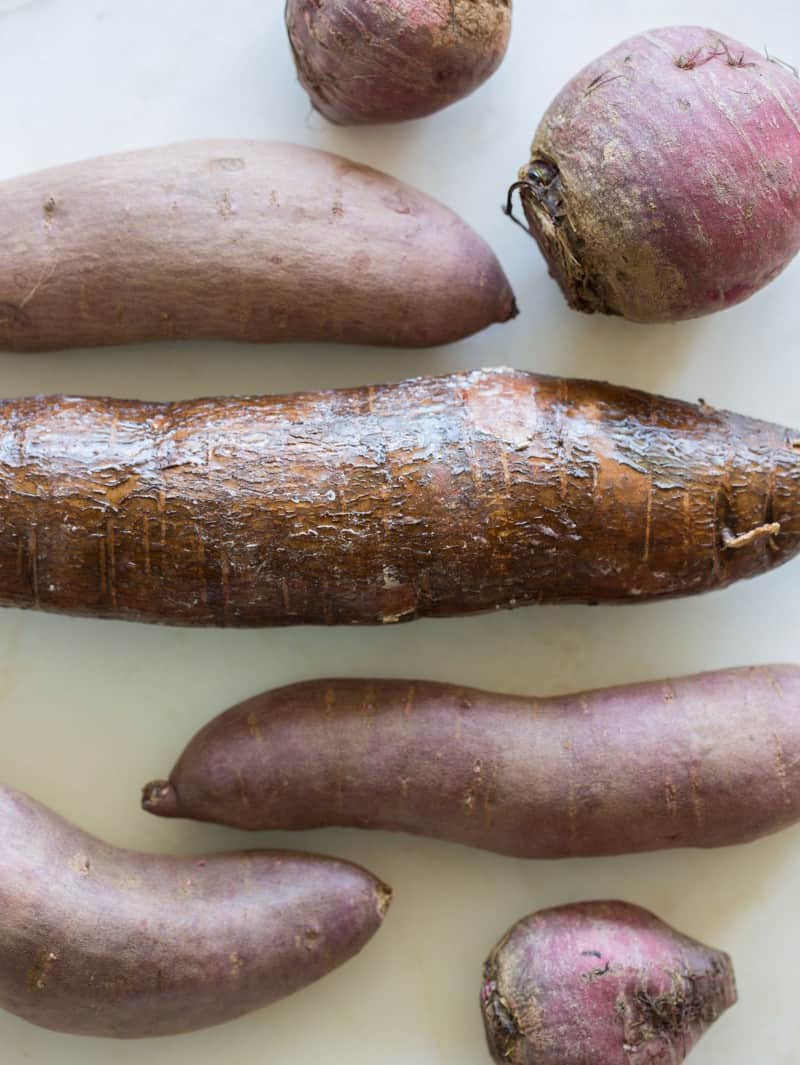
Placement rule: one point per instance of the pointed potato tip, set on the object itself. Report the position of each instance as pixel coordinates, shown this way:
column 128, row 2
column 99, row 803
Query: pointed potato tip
column 385, row 897
column 160, row 798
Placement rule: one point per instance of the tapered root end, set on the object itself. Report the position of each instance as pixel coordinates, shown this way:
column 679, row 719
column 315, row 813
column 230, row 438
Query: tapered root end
column 384, row 896
column 160, row 798
column 503, row 1034
column 545, row 203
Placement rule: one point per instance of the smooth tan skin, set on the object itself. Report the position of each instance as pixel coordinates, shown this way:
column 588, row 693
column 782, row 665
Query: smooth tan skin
column 702, row 761
column 105, row 942
column 429, row 498
column 601, row 983
column 236, row 240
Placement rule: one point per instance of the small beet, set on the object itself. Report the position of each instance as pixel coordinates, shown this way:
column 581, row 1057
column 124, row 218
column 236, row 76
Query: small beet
column 664, row 180
column 601, row 982
column 390, row 60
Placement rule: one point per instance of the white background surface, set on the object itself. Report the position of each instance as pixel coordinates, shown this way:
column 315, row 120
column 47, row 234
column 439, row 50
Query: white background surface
column 90, row 710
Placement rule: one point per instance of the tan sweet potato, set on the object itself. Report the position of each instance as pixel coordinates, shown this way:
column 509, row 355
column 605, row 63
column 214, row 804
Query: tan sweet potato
column 236, row 240
column 702, row 761
column 601, row 983
column 432, row 497
column 104, row 942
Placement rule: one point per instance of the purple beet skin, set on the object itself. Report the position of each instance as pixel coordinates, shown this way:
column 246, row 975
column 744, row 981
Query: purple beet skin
column 104, row 942
column 601, row 982
column 365, row 61
column 664, row 180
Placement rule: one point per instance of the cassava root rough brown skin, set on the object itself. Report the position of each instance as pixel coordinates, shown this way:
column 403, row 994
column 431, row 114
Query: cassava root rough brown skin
column 664, row 179
column 367, row 61
column 432, row 497
column 104, row 942
column 236, row 240
column 601, row 983
column 701, row 761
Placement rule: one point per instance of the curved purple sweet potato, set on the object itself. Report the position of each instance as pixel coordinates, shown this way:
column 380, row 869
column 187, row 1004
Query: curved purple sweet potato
column 105, row 942
column 702, row 761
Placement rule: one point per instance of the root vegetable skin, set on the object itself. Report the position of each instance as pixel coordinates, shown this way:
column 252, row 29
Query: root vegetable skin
column 433, row 497
column 601, row 982
column 236, row 240
column 103, row 942
column 702, row 761
column 664, row 180
column 390, row 60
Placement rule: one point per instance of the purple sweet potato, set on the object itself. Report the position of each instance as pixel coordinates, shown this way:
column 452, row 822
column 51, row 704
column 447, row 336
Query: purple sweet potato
column 605, row 983
column 365, row 61
column 236, row 240
column 664, row 180
column 104, row 942
column 704, row 761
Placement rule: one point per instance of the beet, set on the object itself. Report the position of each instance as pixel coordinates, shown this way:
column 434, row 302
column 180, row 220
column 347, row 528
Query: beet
column 601, row 982
column 664, row 180
column 390, row 60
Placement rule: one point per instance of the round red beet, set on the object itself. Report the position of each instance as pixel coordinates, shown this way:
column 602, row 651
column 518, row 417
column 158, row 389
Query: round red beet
column 601, row 982
column 365, row 61
column 664, row 180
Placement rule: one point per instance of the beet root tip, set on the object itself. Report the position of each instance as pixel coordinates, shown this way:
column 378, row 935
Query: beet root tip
column 545, row 202
column 501, row 1026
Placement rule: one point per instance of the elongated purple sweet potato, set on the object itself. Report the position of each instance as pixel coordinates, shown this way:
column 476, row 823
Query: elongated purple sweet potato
column 664, row 179
column 601, row 983
column 390, row 60
column 428, row 498
column 236, row 240
column 704, row 761
column 99, row 941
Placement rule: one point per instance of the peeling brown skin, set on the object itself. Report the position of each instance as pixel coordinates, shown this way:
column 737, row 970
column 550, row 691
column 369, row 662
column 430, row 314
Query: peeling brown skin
column 104, row 942
column 703, row 761
column 364, row 61
column 664, row 179
column 430, row 498
column 236, row 240
column 601, row 982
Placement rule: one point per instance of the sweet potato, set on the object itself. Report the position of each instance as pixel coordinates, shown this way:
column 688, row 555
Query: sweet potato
column 99, row 941
column 236, row 240
column 601, row 983
column 703, row 761
column 432, row 497
column 390, row 60
column 664, row 180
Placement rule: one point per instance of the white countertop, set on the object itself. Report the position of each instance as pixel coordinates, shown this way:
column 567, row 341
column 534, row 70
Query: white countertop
column 89, row 710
